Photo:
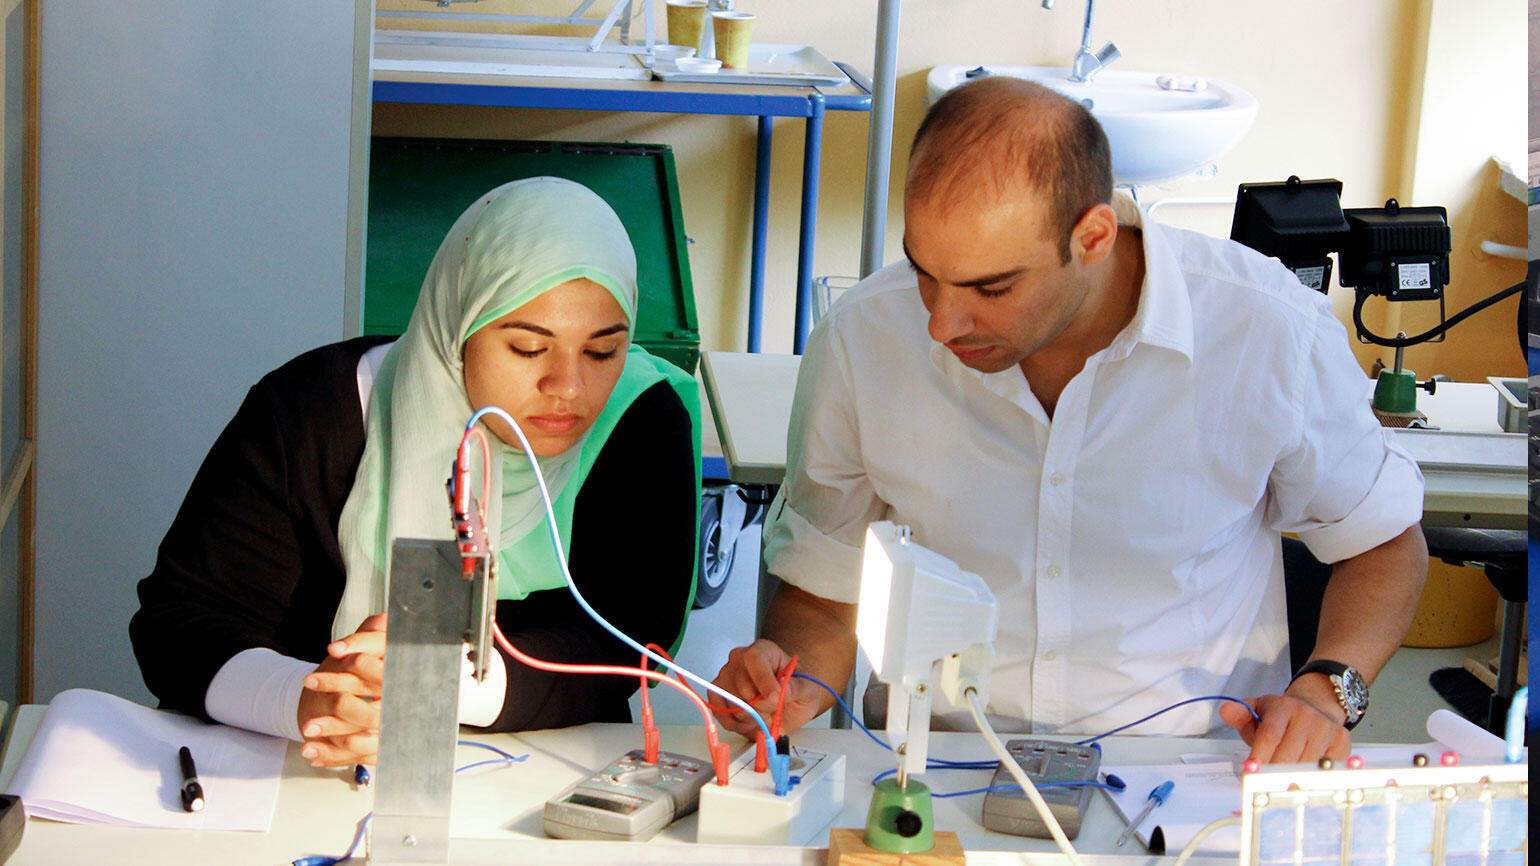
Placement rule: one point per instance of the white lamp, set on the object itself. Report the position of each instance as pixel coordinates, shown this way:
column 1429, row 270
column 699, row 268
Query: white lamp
column 924, row 624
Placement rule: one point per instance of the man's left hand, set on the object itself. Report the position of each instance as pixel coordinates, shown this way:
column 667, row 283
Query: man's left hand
column 1298, row 726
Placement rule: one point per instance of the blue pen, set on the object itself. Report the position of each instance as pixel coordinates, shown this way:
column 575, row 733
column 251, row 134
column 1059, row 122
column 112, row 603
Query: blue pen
column 1157, row 797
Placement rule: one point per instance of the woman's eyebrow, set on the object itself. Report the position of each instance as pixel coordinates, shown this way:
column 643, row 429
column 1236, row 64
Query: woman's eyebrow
column 528, row 326
column 617, row 328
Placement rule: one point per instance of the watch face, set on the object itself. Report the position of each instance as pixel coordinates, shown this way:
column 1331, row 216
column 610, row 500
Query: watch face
column 1351, row 688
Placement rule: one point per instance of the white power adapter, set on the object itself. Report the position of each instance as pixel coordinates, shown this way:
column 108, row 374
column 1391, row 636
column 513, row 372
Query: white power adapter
column 746, row 811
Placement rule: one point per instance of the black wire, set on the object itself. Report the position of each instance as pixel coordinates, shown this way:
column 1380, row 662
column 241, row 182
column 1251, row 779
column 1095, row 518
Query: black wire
column 1403, row 342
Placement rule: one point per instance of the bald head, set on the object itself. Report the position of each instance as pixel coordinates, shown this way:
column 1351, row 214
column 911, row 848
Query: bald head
column 1003, row 138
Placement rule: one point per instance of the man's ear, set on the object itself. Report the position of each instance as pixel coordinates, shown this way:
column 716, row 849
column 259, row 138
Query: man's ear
column 1091, row 240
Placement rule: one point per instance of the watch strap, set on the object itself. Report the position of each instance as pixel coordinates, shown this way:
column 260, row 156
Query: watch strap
column 1343, row 679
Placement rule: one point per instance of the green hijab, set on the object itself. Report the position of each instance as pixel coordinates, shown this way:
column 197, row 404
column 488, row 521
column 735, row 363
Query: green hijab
column 515, row 243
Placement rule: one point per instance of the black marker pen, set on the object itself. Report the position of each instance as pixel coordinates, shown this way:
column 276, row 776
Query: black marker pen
column 192, row 792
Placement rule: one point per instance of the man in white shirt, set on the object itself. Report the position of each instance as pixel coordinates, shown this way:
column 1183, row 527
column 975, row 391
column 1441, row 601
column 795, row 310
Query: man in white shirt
column 1111, row 423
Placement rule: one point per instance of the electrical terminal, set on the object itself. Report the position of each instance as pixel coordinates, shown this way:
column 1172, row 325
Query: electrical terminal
column 749, row 810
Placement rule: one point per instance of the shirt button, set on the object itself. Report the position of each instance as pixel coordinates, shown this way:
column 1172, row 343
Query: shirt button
column 1056, row 479
column 1050, row 655
column 1053, row 571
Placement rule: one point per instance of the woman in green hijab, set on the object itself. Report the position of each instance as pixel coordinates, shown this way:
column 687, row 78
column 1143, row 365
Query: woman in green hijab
column 273, row 571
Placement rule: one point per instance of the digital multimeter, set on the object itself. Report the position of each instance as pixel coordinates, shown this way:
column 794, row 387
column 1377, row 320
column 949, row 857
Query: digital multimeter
column 629, row 800
column 1010, row 811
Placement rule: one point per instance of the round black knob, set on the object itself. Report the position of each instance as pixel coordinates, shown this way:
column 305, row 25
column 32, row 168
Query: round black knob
column 908, row 824
column 1428, row 386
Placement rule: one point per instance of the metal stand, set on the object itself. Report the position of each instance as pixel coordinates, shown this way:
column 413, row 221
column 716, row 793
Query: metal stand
column 433, row 611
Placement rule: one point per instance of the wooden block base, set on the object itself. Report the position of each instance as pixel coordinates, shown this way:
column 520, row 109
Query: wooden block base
column 847, row 847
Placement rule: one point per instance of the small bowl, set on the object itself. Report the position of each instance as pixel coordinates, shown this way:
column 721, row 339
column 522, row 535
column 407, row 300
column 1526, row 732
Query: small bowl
column 698, row 64
column 670, row 53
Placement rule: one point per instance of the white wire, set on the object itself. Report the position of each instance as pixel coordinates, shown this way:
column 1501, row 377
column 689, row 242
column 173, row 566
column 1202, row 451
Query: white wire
column 561, row 559
column 1020, row 775
column 1202, row 835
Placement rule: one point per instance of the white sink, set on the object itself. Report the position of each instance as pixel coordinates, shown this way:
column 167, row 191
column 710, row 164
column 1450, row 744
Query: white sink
column 1157, row 130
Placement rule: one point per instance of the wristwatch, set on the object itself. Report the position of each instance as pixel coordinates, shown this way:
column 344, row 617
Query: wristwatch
column 1352, row 693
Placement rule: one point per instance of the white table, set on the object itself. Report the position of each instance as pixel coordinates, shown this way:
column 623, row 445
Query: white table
column 496, row 816
column 1476, row 474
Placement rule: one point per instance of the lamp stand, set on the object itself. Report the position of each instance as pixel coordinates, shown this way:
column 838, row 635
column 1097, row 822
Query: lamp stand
column 900, row 829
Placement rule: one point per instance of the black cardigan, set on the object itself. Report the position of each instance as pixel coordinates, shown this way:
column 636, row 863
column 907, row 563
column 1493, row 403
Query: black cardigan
column 252, row 557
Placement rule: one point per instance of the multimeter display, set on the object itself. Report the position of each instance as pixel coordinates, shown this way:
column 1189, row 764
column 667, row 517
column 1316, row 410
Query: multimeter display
column 623, row 805
column 628, row 800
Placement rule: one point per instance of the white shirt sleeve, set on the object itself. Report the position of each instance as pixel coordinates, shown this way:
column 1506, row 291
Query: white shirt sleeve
column 481, row 703
column 259, row 690
column 816, row 526
column 1345, row 487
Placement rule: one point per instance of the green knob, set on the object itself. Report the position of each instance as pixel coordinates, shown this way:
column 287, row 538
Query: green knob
column 900, row 820
column 1396, row 391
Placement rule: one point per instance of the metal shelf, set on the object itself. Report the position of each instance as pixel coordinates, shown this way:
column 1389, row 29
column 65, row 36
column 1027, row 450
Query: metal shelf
column 762, row 101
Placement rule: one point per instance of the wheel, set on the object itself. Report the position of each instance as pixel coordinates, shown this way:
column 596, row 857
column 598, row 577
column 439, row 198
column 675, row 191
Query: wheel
column 727, row 512
column 716, row 560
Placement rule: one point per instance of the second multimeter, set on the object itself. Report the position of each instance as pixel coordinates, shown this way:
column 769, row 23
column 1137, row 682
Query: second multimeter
column 1009, row 811
column 629, row 800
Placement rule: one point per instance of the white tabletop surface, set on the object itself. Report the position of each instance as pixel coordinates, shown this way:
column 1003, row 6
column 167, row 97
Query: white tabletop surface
column 1486, row 485
column 497, row 810
column 750, row 397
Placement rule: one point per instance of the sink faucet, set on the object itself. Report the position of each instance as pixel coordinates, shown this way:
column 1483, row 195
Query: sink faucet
column 1087, row 64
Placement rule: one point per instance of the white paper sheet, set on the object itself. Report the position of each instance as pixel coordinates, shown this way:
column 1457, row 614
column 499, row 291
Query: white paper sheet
column 99, row 759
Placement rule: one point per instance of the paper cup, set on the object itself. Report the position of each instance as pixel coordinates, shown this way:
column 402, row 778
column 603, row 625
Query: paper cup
column 686, row 21
column 732, row 31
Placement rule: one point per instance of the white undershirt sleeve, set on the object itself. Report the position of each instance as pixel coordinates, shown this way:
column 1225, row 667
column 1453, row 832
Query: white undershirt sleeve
column 258, row 689
column 481, row 703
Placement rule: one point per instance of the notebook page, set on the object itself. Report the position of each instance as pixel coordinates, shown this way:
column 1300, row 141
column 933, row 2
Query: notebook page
column 100, row 759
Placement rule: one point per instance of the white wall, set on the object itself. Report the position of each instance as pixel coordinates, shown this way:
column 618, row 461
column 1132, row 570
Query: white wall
column 1338, row 82
column 194, row 233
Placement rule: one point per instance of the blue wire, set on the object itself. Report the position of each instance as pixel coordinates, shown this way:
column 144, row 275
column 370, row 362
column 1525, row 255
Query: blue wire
column 779, row 764
column 358, row 837
column 846, row 707
column 1015, row 787
column 499, row 761
column 1253, row 712
column 985, row 764
column 506, row 755
column 944, row 764
column 1113, row 783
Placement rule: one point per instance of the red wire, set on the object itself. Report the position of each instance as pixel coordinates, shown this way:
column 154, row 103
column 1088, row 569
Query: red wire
column 718, row 750
column 463, row 498
column 780, row 701
column 563, row 668
column 713, row 742
column 664, row 653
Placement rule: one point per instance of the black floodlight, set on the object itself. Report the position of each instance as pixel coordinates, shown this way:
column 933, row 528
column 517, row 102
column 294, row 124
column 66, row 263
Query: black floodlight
column 1298, row 222
column 1399, row 252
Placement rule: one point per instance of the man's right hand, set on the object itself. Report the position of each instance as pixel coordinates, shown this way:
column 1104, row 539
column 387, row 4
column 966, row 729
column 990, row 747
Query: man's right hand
column 751, row 674
column 339, row 709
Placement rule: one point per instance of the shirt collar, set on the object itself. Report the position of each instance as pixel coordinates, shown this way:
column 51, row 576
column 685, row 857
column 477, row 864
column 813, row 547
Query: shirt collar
column 1164, row 315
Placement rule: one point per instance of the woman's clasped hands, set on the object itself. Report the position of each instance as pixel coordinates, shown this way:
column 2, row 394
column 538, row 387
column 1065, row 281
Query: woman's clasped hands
column 339, row 709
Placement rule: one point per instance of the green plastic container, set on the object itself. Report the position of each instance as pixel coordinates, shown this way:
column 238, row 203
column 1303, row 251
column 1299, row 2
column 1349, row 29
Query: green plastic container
column 417, row 187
